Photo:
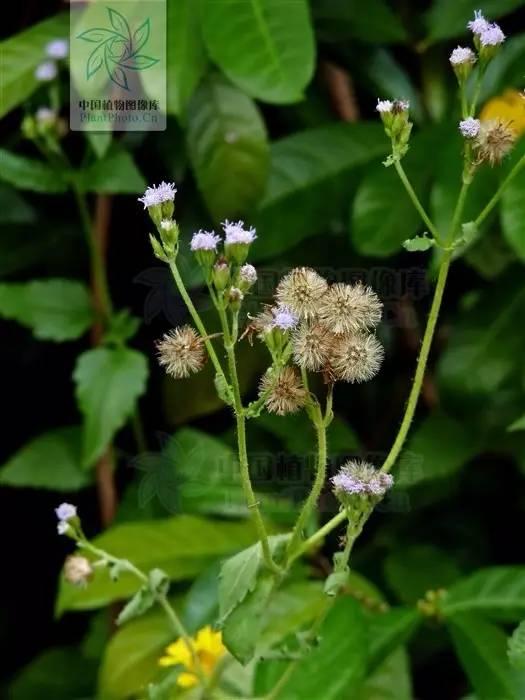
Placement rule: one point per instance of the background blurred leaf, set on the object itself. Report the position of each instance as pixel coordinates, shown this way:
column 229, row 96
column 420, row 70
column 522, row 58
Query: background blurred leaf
column 481, row 647
column 108, row 384
column 14, row 209
column 31, row 174
column 228, row 148
column 22, row 53
column 54, row 309
column 50, row 461
column 513, row 215
column 182, row 546
column 516, row 647
column 391, row 681
column 345, row 19
column 266, row 47
column 389, row 630
column 448, row 18
column 114, row 173
column 308, row 182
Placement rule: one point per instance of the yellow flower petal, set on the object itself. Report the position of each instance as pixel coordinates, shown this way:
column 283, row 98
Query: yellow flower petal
column 209, row 641
column 167, row 661
column 179, row 652
column 509, row 108
column 187, row 680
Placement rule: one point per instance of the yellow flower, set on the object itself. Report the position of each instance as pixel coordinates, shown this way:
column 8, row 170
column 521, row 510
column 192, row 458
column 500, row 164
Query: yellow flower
column 508, row 108
column 208, row 649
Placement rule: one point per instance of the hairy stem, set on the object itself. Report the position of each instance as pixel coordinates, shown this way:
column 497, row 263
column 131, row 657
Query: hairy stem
column 415, row 200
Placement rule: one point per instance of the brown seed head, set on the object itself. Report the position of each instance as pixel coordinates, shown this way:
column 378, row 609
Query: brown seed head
column 312, row 345
column 301, row 290
column 349, row 308
column 357, row 358
column 286, row 391
column 494, row 140
column 181, row 352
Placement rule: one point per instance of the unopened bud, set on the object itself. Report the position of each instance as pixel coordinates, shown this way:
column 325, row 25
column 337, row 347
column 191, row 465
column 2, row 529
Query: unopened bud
column 221, row 274
column 234, row 298
column 247, row 277
column 77, row 570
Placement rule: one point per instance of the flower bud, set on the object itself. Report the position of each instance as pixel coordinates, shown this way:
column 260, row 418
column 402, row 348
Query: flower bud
column 77, row 570
column 221, row 274
column 247, row 277
column 169, row 233
column 234, row 298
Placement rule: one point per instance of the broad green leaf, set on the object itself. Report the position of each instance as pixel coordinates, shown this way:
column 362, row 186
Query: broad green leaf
column 114, row 173
column 516, row 647
column 308, row 184
column 498, row 591
column 228, row 148
column 332, row 669
column 31, row 174
column 481, row 648
column 266, row 47
column 14, row 209
column 99, row 141
column 427, row 458
column 412, row 571
column 389, row 630
column 60, row 673
column 345, row 19
column 21, row 54
column 182, row 546
column 186, row 60
column 390, row 681
column 108, row 384
column 513, row 215
column 54, row 309
column 448, row 18
column 518, row 424
column 50, row 461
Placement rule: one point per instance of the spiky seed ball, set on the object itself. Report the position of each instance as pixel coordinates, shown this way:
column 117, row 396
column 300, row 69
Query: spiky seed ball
column 301, row 291
column 356, row 358
column 348, row 308
column 286, row 391
column 77, row 570
column 181, row 352
column 312, row 345
column 494, row 140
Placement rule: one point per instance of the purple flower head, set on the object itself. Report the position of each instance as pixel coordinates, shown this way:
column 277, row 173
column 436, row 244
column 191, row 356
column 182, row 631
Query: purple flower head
column 66, row 511
column 205, row 240
column 165, row 192
column 492, row 36
column 283, row 318
column 479, row 24
column 462, row 55
column 58, row 48
column 248, row 274
column 361, row 478
column 236, row 233
column 469, row 127
column 47, row 71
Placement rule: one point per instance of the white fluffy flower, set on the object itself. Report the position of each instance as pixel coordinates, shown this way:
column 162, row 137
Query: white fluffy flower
column 492, row 36
column 469, row 127
column 479, row 24
column 58, row 48
column 46, row 71
column 204, row 240
column 384, row 106
column 236, row 233
column 66, row 511
column 165, row 192
column 462, row 55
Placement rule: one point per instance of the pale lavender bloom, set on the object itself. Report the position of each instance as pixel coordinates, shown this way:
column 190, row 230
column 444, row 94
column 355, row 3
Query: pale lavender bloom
column 361, row 478
column 384, row 106
column 58, row 48
column 45, row 114
column 283, row 318
column 479, row 24
column 492, row 36
column 462, row 55
column 236, row 233
column 165, row 192
column 248, row 274
column 46, row 71
column 66, row 511
column 205, row 240
column 401, row 105
column 469, row 127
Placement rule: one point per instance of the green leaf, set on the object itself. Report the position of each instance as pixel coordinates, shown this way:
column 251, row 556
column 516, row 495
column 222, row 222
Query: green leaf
column 146, row 597
column 448, row 18
column 498, row 591
column 309, row 177
column 228, row 148
column 518, row 424
column 50, row 461
column 418, row 243
column 99, row 141
column 389, row 630
column 21, row 54
column 108, row 384
column 412, row 571
column 54, row 309
column 14, row 209
column 513, row 215
column 331, row 670
column 114, row 173
column 266, row 47
column 186, row 60
column 390, row 681
column 427, row 458
column 481, row 648
column 345, row 19
column 516, row 647
column 30, row 174
column 182, row 546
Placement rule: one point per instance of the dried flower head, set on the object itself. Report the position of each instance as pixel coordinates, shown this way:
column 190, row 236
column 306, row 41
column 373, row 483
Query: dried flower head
column 204, row 240
column 494, row 140
column 469, row 127
column 347, row 308
column 362, row 479
column 462, row 55
column 57, row 48
column 479, row 24
column 492, row 36
column 286, row 393
column 77, row 570
column 46, row 71
column 356, row 358
column 248, row 274
column 158, row 194
column 301, row 291
column 312, row 346
column 181, row 352
column 236, row 233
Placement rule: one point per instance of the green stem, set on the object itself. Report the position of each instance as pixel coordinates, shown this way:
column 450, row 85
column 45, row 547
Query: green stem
column 494, row 200
column 318, row 536
column 421, row 363
column 196, row 319
column 456, row 218
column 415, row 200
